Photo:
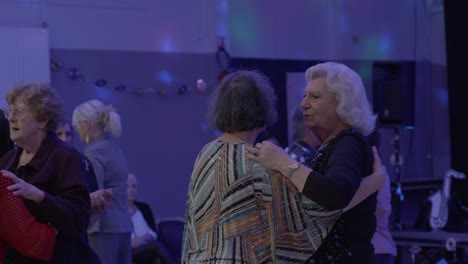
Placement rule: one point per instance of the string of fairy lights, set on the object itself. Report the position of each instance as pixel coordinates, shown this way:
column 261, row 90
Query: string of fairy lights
column 198, row 86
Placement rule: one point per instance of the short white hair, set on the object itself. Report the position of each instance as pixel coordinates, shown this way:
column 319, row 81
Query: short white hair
column 353, row 107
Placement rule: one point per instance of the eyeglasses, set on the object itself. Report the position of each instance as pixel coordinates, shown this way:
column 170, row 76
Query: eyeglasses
column 13, row 112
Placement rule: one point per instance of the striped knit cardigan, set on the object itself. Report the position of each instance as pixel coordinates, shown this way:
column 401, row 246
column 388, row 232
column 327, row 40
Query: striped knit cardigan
column 237, row 212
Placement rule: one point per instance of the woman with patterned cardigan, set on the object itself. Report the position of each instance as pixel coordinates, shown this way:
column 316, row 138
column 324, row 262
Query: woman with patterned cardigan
column 237, row 211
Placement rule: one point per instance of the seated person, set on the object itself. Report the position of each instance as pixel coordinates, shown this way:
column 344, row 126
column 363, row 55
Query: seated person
column 145, row 246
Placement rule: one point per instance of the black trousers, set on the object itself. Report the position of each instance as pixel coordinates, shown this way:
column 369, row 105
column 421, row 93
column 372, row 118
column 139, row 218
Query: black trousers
column 151, row 253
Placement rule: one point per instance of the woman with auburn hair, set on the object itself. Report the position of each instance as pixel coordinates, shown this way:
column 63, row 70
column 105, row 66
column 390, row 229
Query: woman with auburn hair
column 47, row 174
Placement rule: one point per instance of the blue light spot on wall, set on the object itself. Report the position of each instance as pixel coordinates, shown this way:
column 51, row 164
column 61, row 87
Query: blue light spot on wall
column 167, row 45
column 223, row 7
column 244, row 29
column 221, row 24
column 165, row 77
column 378, row 46
column 364, row 70
column 385, row 44
column 102, row 93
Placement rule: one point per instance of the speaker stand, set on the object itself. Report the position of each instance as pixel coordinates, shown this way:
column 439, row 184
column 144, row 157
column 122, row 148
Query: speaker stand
column 397, row 176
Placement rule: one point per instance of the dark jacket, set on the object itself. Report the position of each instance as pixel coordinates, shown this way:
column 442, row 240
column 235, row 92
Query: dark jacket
column 337, row 173
column 57, row 169
column 147, row 214
column 5, row 142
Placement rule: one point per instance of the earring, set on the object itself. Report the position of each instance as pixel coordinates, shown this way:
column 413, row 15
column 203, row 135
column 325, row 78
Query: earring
column 87, row 139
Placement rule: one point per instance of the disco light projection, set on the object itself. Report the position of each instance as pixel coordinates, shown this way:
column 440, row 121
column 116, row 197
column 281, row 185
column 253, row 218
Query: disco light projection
column 378, row 47
column 102, row 93
column 167, row 45
column 244, row 31
column 165, row 77
column 365, row 70
column 223, row 11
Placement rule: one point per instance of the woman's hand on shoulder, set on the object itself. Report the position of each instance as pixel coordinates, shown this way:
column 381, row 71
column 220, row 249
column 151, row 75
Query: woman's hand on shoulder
column 269, row 155
column 24, row 189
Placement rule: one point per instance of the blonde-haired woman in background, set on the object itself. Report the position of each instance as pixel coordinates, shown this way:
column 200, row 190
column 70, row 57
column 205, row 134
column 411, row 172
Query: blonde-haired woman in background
column 98, row 125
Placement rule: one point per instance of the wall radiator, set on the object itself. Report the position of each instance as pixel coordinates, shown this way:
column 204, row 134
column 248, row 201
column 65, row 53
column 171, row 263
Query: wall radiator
column 24, row 57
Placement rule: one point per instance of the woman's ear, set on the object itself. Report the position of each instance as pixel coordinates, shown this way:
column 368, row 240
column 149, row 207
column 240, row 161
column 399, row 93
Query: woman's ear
column 85, row 125
column 42, row 124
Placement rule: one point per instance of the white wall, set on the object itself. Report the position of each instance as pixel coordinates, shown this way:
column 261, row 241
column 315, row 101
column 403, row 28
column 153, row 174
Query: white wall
column 300, row 29
column 130, row 25
column 24, row 57
column 337, row 30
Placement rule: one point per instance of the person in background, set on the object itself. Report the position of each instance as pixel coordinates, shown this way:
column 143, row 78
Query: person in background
column 65, row 133
column 145, row 245
column 98, row 125
column 304, row 143
column 266, row 134
column 100, row 198
column 237, row 212
column 47, row 174
column 6, row 144
column 385, row 248
column 336, row 108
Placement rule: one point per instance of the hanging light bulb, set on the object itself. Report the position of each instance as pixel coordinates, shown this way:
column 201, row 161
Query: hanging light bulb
column 201, row 86
column 74, row 74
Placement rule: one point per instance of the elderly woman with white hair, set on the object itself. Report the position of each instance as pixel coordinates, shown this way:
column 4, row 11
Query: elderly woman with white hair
column 336, row 108
column 98, row 125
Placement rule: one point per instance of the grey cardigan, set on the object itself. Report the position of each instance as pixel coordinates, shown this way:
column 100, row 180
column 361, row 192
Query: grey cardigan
column 110, row 166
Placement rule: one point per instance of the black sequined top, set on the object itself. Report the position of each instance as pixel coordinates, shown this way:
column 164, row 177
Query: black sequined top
column 337, row 172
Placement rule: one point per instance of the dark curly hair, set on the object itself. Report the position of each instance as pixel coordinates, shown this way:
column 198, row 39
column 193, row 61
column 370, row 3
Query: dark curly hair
column 243, row 101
